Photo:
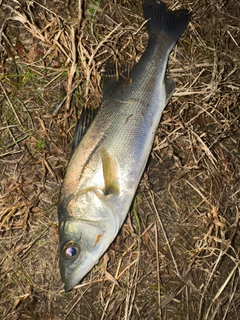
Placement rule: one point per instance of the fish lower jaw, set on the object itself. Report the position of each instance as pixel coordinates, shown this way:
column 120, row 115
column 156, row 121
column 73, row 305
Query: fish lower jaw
column 73, row 279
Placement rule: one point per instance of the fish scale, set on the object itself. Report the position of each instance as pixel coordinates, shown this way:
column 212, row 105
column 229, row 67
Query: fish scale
column 108, row 160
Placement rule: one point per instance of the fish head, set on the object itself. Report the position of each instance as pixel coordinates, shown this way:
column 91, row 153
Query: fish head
column 87, row 225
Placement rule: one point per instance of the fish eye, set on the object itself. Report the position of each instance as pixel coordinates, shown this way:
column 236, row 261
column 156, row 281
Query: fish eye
column 70, row 250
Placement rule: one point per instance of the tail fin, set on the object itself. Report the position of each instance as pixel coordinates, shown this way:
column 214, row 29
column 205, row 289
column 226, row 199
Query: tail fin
column 172, row 23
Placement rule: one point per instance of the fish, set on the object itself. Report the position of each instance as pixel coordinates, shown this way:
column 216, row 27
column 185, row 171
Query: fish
column 110, row 154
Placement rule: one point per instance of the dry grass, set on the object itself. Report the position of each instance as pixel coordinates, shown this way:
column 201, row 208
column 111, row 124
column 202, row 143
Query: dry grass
column 177, row 255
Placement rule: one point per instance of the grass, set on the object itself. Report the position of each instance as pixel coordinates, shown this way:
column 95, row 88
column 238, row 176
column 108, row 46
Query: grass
column 177, row 255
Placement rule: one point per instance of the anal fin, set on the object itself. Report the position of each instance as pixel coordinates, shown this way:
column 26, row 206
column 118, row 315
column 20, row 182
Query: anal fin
column 169, row 88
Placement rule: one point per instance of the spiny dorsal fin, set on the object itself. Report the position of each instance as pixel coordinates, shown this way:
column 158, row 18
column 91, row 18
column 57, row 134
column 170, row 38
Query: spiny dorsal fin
column 83, row 124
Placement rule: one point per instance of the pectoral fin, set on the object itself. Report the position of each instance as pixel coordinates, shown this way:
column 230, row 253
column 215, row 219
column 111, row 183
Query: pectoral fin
column 110, row 173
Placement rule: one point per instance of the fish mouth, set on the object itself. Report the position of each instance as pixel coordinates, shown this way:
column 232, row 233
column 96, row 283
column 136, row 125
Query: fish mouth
column 71, row 280
column 70, row 284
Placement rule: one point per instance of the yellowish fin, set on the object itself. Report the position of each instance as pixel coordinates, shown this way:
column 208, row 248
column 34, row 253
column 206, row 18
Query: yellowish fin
column 110, row 173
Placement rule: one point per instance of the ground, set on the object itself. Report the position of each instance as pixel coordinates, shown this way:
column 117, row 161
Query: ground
column 177, row 255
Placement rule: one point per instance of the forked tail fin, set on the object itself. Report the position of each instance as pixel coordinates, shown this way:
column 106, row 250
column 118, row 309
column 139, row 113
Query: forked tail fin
column 173, row 23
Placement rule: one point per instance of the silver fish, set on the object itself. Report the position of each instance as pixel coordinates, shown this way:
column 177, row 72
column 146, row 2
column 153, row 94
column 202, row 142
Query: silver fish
column 108, row 161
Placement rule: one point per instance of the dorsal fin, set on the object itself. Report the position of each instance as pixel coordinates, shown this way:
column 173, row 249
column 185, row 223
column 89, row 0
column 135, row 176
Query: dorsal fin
column 112, row 74
column 83, row 123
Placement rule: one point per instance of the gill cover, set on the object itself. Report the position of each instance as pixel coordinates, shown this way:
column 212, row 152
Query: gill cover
column 88, row 223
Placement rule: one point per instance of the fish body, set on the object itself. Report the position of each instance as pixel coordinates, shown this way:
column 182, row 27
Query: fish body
column 107, row 164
